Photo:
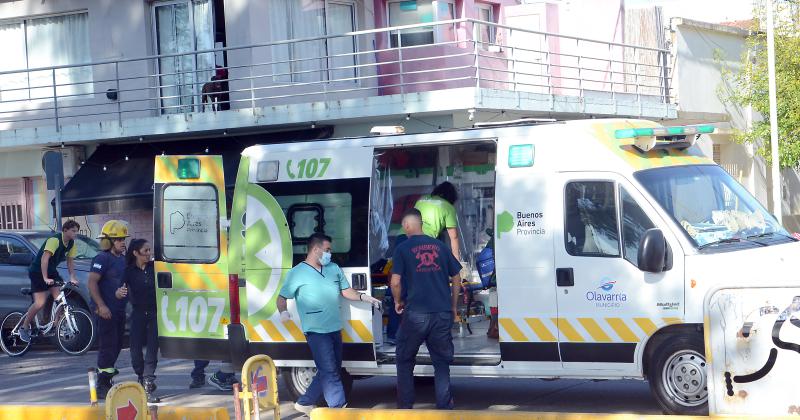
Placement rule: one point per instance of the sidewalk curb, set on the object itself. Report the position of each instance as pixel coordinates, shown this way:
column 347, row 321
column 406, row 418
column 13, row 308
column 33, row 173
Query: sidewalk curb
column 394, row 414
column 66, row 412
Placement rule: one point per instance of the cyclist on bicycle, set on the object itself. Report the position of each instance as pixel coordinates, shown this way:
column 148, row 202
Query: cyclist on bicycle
column 109, row 299
column 44, row 274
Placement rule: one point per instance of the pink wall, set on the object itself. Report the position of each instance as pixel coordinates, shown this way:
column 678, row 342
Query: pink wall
column 426, row 66
column 602, row 20
column 543, row 64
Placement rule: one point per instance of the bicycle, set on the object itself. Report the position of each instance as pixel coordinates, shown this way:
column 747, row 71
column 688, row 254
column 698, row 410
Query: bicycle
column 72, row 327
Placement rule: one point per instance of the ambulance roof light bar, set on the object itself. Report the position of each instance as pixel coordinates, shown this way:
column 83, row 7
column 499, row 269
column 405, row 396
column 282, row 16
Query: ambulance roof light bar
column 678, row 137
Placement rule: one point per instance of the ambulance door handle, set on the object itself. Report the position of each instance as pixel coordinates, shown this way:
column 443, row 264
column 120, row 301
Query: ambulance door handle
column 564, row 277
column 359, row 281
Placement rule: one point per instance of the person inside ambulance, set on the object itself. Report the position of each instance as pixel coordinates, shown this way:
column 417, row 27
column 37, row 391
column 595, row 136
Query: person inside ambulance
column 108, row 302
column 316, row 284
column 439, row 214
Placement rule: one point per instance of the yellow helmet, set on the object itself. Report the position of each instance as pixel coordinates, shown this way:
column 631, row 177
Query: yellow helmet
column 112, row 229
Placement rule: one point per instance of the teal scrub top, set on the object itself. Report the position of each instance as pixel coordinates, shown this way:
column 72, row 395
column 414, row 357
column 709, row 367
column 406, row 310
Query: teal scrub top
column 317, row 296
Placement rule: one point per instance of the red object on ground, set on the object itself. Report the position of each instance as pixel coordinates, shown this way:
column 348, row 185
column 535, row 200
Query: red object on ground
column 128, row 412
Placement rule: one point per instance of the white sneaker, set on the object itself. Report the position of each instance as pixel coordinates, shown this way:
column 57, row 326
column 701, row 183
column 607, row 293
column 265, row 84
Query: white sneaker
column 305, row 409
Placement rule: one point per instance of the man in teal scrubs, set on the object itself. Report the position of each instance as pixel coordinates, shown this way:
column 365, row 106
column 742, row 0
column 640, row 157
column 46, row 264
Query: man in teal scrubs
column 316, row 285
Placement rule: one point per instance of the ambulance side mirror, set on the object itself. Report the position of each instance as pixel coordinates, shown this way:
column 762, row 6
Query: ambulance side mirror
column 655, row 255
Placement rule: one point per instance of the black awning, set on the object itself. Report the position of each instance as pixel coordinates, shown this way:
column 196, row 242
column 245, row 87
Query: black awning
column 126, row 185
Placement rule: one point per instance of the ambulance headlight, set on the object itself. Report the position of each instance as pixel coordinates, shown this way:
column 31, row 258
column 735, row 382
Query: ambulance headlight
column 267, row 171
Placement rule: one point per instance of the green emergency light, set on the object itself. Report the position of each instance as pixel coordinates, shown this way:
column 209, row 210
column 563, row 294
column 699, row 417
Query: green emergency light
column 678, row 137
column 189, row 168
column 628, row 133
column 520, row 156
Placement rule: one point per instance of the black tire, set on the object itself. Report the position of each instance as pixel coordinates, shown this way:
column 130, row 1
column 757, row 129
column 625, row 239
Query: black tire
column 678, row 375
column 11, row 344
column 297, row 380
column 77, row 342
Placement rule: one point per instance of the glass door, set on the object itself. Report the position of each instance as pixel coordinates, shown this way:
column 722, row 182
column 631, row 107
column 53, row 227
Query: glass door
column 182, row 27
column 341, row 19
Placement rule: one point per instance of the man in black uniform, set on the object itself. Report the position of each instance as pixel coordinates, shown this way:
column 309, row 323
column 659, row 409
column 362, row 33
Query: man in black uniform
column 108, row 301
column 425, row 283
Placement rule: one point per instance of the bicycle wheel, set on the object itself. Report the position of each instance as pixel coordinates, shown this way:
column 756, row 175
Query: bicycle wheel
column 9, row 336
column 75, row 332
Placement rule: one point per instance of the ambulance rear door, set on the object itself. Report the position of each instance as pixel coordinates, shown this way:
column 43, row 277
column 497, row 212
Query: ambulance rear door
column 316, row 187
column 191, row 257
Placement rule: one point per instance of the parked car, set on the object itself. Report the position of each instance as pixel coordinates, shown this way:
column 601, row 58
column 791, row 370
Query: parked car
column 17, row 250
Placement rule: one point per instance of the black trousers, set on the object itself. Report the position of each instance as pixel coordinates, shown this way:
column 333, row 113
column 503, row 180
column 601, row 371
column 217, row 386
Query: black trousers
column 109, row 339
column 144, row 336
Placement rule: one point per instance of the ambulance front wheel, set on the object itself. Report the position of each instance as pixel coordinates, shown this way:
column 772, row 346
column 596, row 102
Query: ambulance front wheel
column 678, row 377
column 298, row 379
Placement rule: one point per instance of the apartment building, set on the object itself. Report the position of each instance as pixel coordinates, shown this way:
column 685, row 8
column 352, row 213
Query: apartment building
column 111, row 84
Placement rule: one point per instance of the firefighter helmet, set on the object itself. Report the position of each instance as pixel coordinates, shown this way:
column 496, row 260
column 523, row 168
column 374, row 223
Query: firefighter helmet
column 112, row 229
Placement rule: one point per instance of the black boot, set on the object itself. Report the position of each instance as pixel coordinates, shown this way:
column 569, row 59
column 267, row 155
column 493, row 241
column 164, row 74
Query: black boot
column 103, row 384
column 150, row 387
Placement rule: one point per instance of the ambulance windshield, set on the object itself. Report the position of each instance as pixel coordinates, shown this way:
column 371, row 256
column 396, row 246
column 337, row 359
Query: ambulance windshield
column 711, row 207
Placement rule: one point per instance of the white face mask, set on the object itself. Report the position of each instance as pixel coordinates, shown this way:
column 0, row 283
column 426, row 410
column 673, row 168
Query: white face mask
column 325, row 259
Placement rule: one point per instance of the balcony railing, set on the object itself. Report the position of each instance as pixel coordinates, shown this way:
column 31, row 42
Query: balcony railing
column 397, row 60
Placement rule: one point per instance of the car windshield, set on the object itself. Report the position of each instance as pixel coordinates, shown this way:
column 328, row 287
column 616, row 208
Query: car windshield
column 86, row 247
column 710, row 206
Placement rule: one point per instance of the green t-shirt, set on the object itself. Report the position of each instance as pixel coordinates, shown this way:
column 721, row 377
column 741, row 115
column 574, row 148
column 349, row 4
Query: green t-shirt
column 59, row 252
column 317, row 295
column 437, row 214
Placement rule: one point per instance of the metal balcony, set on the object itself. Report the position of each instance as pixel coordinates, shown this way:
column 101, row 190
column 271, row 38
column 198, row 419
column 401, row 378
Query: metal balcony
column 501, row 66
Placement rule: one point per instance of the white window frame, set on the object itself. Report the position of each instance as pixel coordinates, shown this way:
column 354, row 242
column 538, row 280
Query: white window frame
column 27, row 89
column 327, row 71
column 486, row 43
column 154, row 30
column 353, row 25
column 436, row 28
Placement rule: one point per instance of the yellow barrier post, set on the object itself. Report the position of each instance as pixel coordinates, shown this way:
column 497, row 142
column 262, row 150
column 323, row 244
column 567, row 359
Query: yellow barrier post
column 260, row 382
column 126, row 401
column 237, row 407
column 93, row 387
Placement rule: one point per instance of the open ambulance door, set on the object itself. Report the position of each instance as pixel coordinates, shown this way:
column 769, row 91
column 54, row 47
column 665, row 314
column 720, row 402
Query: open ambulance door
column 290, row 196
column 191, row 257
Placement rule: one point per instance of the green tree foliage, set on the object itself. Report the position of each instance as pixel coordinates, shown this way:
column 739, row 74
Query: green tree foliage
column 749, row 85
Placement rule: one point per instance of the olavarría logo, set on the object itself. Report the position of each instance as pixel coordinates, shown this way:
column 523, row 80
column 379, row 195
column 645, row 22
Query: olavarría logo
column 604, row 296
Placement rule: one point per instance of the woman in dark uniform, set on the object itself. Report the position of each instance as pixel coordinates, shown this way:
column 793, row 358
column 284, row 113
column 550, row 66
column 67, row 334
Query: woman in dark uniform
column 139, row 279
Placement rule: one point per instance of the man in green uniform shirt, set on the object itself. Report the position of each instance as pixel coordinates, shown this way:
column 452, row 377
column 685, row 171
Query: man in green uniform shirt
column 439, row 214
column 316, row 284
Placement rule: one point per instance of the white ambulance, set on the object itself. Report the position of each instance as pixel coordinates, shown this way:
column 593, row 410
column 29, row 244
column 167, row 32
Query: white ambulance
column 607, row 235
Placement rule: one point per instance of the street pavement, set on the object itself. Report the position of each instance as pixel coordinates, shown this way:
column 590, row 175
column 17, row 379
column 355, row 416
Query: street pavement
column 47, row 376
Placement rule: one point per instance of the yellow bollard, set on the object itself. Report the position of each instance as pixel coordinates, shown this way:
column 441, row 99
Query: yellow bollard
column 237, row 407
column 260, row 382
column 92, row 387
column 127, row 400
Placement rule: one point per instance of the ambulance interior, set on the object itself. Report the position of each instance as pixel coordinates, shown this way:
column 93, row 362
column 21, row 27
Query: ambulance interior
column 400, row 177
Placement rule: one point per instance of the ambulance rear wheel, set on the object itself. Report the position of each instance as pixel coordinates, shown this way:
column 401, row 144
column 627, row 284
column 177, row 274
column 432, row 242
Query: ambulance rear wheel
column 678, row 377
column 298, row 379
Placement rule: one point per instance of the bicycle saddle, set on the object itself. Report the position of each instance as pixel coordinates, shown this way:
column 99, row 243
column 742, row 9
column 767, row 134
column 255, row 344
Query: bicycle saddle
column 25, row 291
